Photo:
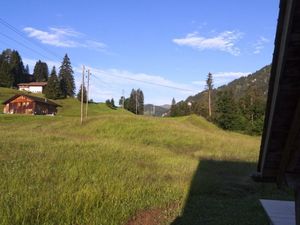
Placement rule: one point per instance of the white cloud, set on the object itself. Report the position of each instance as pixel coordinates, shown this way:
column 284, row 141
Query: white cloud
column 125, row 77
column 225, row 41
column 109, row 83
column 63, row 37
column 260, row 44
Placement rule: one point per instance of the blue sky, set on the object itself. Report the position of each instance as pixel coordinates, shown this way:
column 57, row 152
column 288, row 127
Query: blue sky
column 167, row 42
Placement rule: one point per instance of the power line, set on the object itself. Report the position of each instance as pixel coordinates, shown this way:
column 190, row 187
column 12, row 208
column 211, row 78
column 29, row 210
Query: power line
column 14, row 29
column 151, row 83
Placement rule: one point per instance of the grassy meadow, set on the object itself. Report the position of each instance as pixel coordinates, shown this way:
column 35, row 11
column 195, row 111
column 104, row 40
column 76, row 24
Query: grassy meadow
column 118, row 165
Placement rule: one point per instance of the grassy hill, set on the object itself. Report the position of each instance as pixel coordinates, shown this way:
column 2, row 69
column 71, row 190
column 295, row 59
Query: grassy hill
column 119, row 167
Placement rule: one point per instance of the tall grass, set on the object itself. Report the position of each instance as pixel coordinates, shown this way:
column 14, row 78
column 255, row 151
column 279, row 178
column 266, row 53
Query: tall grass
column 54, row 171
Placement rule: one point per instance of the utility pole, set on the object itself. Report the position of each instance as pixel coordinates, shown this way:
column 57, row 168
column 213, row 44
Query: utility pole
column 209, row 84
column 123, row 99
column 82, row 85
column 87, row 94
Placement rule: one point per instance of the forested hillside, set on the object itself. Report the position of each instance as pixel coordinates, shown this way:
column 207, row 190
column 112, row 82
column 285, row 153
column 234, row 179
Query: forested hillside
column 239, row 105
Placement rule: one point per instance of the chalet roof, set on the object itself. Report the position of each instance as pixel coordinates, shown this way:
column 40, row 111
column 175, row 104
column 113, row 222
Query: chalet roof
column 33, row 98
column 33, row 84
column 279, row 156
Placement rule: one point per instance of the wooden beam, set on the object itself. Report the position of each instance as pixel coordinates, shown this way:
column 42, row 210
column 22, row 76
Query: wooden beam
column 289, row 145
column 279, row 61
column 293, row 180
column 297, row 205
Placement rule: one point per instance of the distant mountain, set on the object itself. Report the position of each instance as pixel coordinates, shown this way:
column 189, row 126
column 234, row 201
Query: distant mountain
column 154, row 110
column 166, row 106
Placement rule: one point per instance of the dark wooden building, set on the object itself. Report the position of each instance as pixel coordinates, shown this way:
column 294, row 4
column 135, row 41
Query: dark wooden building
column 26, row 104
column 279, row 159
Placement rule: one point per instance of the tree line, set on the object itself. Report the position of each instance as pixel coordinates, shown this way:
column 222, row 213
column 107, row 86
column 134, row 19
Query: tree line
column 13, row 72
column 135, row 102
column 244, row 114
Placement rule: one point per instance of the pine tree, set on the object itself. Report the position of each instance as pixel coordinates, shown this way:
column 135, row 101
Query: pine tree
column 209, row 85
column 40, row 71
column 126, row 103
column 6, row 79
column 132, row 102
column 112, row 102
column 12, row 69
column 173, row 108
column 66, row 77
column 122, row 101
column 27, row 71
column 228, row 115
column 135, row 102
column 84, row 94
column 52, row 89
column 17, row 68
column 140, row 99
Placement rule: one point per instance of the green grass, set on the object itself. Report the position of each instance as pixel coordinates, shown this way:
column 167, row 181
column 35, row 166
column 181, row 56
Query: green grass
column 54, row 171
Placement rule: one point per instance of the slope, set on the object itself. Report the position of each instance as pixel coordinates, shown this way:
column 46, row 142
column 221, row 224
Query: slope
column 54, row 171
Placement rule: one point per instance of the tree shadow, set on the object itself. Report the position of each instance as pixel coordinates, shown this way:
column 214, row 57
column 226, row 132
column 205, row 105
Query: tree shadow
column 222, row 193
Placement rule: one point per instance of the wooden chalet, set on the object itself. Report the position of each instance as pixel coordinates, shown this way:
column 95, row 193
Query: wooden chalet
column 26, row 104
column 279, row 159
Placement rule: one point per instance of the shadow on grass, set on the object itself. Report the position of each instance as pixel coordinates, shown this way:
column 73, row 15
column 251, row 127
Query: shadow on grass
column 222, row 193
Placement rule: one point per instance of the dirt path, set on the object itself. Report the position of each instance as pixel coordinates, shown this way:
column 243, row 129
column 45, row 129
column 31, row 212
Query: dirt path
column 155, row 216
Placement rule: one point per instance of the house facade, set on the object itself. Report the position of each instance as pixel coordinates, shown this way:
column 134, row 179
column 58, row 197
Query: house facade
column 26, row 104
column 34, row 87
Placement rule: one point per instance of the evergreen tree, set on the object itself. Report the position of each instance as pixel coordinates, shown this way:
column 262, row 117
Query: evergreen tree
column 27, row 71
column 108, row 103
column 84, row 94
column 173, row 110
column 135, row 102
column 122, row 102
column 140, row 99
column 132, row 102
column 17, row 68
column 40, row 71
column 66, row 77
column 12, row 69
column 126, row 104
column 228, row 115
column 52, row 89
column 6, row 78
column 252, row 106
column 112, row 102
